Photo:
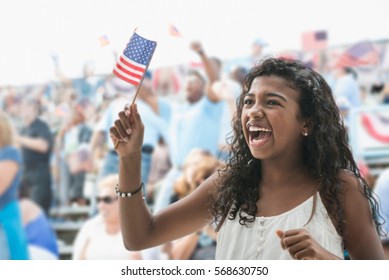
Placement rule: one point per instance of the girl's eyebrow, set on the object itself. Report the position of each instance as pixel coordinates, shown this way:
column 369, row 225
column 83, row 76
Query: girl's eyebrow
column 249, row 94
column 277, row 95
column 272, row 94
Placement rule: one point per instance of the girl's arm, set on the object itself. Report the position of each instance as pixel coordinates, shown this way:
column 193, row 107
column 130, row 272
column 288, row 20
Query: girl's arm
column 361, row 237
column 140, row 228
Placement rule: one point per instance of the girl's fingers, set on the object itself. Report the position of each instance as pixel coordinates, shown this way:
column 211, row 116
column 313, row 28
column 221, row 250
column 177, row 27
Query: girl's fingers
column 121, row 131
column 280, row 234
column 127, row 110
column 135, row 114
column 292, row 232
column 297, row 250
column 291, row 240
column 304, row 254
column 129, row 119
column 125, row 122
column 114, row 135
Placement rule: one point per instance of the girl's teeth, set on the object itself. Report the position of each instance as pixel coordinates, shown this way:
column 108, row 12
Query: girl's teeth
column 259, row 129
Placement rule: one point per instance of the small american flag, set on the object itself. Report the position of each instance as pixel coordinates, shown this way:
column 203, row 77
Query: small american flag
column 173, row 31
column 132, row 64
column 104, row 41
column 314, row 41
column 359, row 54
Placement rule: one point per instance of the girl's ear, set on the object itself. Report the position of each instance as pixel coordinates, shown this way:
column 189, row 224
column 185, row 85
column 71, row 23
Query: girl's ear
column 307, row 127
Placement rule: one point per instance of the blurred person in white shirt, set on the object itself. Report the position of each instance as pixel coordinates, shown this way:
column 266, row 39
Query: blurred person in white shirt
column 100, row 237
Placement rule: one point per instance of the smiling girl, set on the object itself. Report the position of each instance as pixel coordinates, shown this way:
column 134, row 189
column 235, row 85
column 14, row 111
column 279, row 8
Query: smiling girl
column 291, row 188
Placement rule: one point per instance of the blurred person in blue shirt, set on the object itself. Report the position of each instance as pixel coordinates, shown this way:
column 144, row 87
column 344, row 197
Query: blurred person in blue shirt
column 13, row 242
column 346, row 85
column 41, row 238
column 86, row 86
column 258, row 50
column 195, row 123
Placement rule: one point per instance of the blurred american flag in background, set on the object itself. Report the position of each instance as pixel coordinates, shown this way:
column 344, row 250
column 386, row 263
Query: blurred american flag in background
column 314, row 40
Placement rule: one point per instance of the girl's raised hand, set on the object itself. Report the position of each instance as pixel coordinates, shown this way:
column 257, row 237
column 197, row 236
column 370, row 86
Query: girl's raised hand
column 301, row 246
column 127, row 132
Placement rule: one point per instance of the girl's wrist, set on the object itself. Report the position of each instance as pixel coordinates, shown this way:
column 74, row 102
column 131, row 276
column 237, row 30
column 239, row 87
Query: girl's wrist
column 131, row 156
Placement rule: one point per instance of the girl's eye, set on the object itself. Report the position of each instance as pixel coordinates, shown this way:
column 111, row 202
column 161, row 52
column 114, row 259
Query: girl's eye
column 247, row 102
column 272, row 102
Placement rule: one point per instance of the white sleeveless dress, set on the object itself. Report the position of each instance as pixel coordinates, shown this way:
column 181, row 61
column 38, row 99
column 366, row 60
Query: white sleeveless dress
column 260, row 242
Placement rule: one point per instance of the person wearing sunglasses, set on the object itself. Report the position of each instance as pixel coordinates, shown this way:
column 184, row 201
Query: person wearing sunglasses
column 100, row 237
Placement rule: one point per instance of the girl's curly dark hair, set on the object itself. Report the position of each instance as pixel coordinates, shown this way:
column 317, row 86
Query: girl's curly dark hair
column 326, row 150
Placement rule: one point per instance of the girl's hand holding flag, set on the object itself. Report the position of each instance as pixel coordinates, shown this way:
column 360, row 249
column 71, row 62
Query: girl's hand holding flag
column 131, row 68
column 128, row 131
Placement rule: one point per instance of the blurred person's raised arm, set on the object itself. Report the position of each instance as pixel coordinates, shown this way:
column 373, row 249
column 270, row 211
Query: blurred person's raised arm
column 58, row 71
column 140, row 228
column 210, row 69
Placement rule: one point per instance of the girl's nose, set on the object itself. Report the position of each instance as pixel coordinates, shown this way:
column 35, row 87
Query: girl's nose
column 256, row 112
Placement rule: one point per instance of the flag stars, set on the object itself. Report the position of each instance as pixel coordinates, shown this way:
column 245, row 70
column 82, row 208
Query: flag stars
column 139, row 49
column 134, row 60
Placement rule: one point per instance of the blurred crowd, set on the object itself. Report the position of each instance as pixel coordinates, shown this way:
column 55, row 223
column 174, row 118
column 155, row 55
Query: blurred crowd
column 55, row 150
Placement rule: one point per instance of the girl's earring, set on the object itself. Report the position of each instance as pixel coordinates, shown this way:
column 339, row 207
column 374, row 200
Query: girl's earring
column 305, row 133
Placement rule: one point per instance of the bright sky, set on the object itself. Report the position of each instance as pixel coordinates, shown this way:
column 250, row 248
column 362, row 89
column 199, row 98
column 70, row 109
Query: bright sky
column 32, row 30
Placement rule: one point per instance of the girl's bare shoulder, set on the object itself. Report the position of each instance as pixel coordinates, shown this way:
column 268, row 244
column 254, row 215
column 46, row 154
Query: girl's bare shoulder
column 351, row 184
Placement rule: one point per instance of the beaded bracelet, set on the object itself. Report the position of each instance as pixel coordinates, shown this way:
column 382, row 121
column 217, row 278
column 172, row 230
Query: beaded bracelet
column 127, row 194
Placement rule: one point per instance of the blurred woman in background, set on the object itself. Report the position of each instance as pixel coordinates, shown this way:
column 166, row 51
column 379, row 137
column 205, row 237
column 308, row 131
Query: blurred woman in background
column 201, row 245
column 101, row 237
column 13, row 242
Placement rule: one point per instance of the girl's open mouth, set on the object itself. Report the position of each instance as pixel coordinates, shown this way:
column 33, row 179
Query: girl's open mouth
column 258, row 135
